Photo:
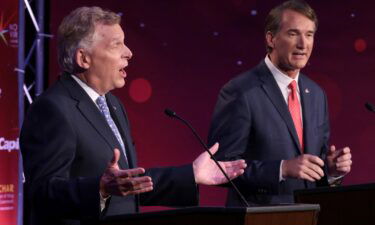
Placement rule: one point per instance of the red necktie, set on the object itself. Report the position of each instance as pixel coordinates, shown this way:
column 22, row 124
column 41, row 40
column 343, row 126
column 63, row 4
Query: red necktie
column 295, row 111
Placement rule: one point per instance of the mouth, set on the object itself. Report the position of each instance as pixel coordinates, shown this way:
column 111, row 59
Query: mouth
column 299, row 55
column 122, row 72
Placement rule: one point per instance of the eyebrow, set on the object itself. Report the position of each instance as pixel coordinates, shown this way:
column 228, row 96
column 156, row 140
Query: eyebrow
column 298, row 31
column 116, row 39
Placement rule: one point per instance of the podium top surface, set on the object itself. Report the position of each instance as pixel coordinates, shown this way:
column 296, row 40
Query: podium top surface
column 284, row 208
column 220, row 210
column 347, row 188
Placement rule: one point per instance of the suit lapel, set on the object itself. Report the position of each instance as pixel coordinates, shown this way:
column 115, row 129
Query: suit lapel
column 274, row 93
column 91, row 112
column 306, row 101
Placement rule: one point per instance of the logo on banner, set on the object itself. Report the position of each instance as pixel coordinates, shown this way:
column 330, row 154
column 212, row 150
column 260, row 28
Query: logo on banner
column 9, row 144
column 8, row 186
column 10, row 29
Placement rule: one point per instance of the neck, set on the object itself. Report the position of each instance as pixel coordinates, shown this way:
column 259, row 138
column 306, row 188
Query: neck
column 292, row 73
column 85, row 78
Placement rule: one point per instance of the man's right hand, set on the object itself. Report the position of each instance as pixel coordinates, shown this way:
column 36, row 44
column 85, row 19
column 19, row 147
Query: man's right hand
column 119, row 182
column 306, row 166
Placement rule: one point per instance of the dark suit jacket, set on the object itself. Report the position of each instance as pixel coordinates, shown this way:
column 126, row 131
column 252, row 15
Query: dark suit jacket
column 66, row 145
column 252, row 121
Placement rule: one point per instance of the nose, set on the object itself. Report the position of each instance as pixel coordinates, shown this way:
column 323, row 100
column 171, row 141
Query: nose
column 127, row 53
column 301, row 43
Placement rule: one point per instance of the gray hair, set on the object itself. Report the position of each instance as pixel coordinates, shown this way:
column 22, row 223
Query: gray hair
column 77, row 30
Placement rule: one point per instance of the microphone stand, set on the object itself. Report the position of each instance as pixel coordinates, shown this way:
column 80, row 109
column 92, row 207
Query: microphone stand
column 172, row 114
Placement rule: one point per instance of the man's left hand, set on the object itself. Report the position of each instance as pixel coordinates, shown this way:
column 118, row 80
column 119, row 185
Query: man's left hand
column 206, row 171
column 339, row 161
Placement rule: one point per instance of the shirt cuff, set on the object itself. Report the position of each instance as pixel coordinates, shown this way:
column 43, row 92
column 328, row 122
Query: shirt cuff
column 103, row 201
column 334, row 181
column 281, row 178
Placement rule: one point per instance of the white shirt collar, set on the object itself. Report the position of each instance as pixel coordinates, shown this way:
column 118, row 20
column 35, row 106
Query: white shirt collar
column 91, row 92
column 282, row 79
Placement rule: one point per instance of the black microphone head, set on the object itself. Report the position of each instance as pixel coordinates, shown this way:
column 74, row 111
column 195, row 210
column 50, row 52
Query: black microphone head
column 370, row 107
column 170, row 113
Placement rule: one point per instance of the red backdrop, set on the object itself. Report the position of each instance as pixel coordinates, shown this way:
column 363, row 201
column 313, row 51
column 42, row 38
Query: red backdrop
column 184, row 51
column 9, row 145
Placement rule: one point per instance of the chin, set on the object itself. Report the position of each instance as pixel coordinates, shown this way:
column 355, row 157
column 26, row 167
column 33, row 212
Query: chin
column 120, row 84
column 299, row 65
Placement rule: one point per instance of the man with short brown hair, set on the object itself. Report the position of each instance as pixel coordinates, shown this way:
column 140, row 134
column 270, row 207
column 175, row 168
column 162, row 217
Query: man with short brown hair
column 277, row 118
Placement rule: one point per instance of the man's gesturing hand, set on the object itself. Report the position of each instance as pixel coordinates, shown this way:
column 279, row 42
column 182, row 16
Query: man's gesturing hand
column 339, row 161
column 206, row 171
column 306, row 166
column 115, row 181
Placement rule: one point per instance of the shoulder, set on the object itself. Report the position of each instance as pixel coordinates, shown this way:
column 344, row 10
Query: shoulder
column 55, row 102
column 55, row 96
column 247, row 81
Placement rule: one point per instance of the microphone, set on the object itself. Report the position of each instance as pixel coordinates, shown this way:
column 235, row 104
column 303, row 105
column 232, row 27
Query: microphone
column 370, row 107
column 172, row 114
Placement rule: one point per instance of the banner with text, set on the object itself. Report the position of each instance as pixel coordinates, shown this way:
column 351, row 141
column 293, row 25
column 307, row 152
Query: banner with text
column 9, row 131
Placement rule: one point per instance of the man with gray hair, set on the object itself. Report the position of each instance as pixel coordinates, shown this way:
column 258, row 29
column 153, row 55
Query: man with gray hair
column 79, row 159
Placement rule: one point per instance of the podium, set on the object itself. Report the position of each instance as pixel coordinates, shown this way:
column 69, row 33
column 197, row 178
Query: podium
column 295, row 214
column 345, row 205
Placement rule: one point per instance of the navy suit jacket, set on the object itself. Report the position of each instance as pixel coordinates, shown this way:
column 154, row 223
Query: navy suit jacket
column 66, row 145
column 252, row 121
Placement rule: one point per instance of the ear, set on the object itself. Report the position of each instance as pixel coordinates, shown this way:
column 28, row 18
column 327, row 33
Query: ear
column 270, row 39
column 82, row 59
